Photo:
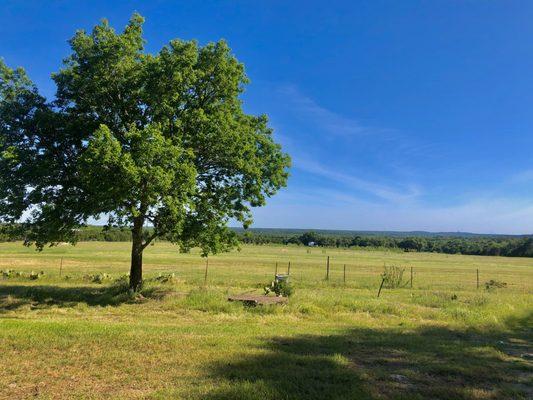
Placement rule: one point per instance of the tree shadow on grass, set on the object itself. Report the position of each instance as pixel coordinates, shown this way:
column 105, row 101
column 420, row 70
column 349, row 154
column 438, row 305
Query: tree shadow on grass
column 13, row 297
column 425, row 363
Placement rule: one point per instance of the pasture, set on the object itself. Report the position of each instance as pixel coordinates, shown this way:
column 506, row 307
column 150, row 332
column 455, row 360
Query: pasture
column 64, row 336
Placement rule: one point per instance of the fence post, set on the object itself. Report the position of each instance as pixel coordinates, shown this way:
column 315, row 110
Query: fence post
column 344, row 276
column 289, row 268
column 477, row 274
column 206, row 267
column 276, row 271
column 61, row 267
column 327, row 270
column 411, row 277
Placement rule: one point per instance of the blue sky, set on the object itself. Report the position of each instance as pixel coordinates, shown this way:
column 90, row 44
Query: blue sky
column 399, row 115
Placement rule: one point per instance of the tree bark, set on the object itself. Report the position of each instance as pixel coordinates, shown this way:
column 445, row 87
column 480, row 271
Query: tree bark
column 136, row 269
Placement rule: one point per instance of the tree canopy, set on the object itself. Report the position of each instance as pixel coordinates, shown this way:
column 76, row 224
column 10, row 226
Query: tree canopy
column 145, row 139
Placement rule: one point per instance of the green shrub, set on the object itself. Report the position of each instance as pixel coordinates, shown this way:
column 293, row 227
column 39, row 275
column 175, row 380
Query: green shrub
column 281, row 288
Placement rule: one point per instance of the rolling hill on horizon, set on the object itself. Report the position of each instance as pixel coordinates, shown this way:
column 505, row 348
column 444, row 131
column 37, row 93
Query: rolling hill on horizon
column 340, row 232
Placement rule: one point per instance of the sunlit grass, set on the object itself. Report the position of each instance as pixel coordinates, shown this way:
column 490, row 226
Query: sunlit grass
column 445, row 338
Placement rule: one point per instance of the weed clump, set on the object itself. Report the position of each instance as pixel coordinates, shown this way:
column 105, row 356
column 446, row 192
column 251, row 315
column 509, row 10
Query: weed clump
column 97, row 278
column 35, row 275
column 310, row 309
column 493, row 284
column 167, row 278
column 9, row 273
column 393, row 277
column 122, row 280
column 12, row 274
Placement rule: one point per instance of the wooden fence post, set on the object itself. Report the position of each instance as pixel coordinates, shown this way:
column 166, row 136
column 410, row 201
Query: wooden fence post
column 327, row 270
column 344, row 276
column 411, row 277
column 276, row 271
column 289, row 268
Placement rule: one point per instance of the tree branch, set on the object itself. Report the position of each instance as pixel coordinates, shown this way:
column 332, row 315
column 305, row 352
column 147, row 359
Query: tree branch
column 149, row 240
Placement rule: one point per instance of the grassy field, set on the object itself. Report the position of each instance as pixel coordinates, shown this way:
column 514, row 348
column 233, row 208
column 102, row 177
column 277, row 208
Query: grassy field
column 65, row 337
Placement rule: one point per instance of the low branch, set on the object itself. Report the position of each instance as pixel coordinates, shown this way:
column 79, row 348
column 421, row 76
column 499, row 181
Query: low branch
column 149, row 240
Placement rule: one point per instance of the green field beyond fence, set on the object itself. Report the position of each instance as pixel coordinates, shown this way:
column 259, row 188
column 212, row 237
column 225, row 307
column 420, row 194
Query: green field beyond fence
column 256, row 265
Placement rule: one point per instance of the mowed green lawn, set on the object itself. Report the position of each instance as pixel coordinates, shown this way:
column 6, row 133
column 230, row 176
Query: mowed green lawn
column 65, row 337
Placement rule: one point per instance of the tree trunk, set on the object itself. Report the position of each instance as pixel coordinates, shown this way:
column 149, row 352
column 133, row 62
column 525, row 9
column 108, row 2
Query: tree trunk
column 136, row 269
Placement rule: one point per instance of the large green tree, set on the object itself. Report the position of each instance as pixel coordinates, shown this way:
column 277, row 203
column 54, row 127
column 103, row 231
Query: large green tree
column 158, row 141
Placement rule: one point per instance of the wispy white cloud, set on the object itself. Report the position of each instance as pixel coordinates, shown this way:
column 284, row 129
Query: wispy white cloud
column 382, row 191
column 327, row 122
column 371, row 178
column 330, row 121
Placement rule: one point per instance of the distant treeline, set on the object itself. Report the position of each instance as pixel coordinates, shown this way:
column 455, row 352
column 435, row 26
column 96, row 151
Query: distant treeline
column 486, row 245
column 473, row 245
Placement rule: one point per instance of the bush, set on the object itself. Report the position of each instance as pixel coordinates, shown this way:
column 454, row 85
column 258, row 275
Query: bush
column 393, row 277
column 281, row 288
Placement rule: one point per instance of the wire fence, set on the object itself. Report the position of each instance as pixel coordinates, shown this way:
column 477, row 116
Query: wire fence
column 320, row 271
